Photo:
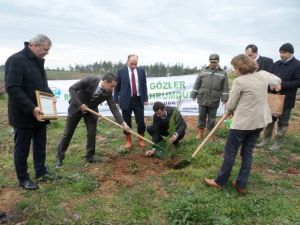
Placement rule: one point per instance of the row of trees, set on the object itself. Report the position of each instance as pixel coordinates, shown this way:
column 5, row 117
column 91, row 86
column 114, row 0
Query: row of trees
column 153, row 70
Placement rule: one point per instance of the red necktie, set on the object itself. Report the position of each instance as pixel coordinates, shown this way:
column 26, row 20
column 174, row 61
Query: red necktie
column 133, row 84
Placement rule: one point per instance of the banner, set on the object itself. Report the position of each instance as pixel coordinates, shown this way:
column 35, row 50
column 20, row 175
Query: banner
column 172, row 91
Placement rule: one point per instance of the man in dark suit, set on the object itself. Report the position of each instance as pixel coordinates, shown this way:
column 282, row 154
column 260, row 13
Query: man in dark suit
column 25, row 73
column 288, row 70
column 264, row 63
column 88, row 92
column 131, row 94
column 160, row 125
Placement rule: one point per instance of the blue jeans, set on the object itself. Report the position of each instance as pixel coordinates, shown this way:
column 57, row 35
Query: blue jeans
column 236, row 138
column 22, row 139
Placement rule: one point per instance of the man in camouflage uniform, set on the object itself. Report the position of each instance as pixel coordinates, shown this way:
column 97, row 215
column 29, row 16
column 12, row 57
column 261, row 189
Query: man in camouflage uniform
column 211, row 86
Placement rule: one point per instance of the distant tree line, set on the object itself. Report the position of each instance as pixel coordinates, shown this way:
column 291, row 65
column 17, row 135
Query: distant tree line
column 153, row 70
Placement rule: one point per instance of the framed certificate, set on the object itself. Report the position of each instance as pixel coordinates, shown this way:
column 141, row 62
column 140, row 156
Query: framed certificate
column 46, row 102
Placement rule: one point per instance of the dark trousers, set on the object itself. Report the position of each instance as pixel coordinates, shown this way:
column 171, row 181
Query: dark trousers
column 22, row 139
column 208, row 113
column 236, row 138
column 138, row 109
column 157, row 134
column 72, row 121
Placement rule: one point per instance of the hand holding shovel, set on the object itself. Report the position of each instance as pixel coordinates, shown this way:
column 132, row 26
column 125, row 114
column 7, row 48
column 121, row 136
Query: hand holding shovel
column 123, row 127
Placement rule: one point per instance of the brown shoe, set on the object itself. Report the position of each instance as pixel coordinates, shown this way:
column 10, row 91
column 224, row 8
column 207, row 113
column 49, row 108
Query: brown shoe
column 200, row 134
column 239, row 190
column 212, row 183
column 128, row 144
column 141, row 141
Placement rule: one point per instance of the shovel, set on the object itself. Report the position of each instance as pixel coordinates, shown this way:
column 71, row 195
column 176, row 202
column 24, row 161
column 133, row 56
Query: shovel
column 120, row 126
column 185, row 163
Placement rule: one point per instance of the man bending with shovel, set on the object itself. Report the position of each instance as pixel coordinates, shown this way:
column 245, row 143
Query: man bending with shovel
column 88, row 92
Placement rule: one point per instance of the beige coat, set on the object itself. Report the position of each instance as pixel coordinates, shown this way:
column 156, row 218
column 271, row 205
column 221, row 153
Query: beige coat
column 248, row 100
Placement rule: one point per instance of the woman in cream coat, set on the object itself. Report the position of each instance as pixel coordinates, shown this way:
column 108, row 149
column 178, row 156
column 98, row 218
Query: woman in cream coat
column 251, row 113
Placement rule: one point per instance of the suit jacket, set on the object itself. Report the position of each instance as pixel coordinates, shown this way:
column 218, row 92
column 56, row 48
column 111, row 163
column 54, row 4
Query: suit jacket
column 264, row 63
column 248, row 100
column 163, row 124
column 289, row 73
column 122, row 93
column 24, row 73
column 82, row 93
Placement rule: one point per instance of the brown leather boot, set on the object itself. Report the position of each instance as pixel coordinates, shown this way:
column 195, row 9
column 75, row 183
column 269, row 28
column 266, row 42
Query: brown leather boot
column 200, row 133
column 128, row 144
column 141, row 141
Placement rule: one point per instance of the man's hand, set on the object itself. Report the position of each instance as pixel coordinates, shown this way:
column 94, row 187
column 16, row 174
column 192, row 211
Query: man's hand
column 275, row 88
column 37, row 112
column 278, row 88
column 173, row 138
column 125, row 126
column 150, row 152
column 83, row 108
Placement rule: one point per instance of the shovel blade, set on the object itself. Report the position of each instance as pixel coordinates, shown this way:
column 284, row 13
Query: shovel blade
column 182, row 164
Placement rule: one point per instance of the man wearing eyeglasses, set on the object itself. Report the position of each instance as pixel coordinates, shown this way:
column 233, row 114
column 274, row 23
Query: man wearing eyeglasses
column 211, row 86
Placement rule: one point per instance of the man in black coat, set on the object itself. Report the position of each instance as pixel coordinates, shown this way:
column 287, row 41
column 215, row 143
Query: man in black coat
column 288, row 69
column 264, row 63
column 160, row 125
column 25, row 73
column 88, row 92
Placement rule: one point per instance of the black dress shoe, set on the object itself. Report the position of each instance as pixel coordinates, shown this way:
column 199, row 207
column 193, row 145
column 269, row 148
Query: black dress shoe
column 28, row 185
column 2, row 214
column 59, row 163
column 90, row 160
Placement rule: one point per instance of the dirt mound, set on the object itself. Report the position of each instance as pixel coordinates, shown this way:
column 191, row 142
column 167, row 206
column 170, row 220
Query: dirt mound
column 127, row 171
column 8, row 198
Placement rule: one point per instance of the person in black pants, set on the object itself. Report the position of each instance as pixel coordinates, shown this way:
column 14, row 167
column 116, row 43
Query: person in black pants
column 25, row 73
column 131, row 94
column 288, row 70
column 160, row 125
column 88, row 92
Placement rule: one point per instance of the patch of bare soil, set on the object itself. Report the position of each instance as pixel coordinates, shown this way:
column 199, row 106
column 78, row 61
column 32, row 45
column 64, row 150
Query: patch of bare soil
column 191, row 122
column 127, row 171
column 9, row 197
column 270, row 174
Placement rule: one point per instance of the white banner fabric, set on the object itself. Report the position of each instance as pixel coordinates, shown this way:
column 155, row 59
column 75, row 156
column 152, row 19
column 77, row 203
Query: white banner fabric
column 172, row 91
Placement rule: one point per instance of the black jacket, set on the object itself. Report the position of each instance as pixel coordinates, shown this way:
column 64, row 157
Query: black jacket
column 163, row 124
column 264, row 63
column 24, row 73
column 81, row 93
column 289, row 73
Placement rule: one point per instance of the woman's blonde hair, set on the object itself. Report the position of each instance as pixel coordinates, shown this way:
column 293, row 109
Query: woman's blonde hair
column 244, row 64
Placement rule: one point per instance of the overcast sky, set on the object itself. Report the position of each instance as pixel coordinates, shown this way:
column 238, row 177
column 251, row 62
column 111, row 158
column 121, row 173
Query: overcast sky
column 167, row 31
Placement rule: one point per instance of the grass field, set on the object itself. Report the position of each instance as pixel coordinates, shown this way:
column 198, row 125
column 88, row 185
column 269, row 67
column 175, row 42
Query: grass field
column 133, row 189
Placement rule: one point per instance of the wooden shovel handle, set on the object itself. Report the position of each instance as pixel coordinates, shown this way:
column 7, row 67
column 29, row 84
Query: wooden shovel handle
column 118, row 125
column 209, row 135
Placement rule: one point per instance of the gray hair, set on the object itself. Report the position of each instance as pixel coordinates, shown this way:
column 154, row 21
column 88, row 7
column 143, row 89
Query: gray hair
column 40, row 39
column 132, row 55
